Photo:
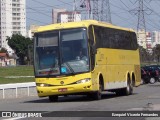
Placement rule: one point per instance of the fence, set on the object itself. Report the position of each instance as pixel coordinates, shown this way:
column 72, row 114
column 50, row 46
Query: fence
column 14, row 90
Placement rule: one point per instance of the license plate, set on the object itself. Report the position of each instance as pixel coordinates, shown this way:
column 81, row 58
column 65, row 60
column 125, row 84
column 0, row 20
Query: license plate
column 62, row 90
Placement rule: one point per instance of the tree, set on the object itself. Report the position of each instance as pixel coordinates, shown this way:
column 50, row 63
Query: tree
column 20, row 45
column 3, row 50
column 143, row 54
column 156, row 52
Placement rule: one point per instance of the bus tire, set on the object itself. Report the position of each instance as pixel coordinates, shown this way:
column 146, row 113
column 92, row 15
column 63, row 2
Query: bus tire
column 53, row 98
column 129, row 89
column 126, row 91
column 98, row 94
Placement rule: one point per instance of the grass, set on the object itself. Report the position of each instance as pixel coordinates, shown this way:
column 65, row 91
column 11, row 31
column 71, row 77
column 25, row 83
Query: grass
column 5, row 72
column 15, row 80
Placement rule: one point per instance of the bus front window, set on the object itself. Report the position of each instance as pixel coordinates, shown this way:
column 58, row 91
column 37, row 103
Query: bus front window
column 46, row 54
column 75, row 50
column 61, row 52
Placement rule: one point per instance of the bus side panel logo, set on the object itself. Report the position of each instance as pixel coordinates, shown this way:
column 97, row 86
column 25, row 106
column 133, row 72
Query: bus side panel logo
column 62, row 82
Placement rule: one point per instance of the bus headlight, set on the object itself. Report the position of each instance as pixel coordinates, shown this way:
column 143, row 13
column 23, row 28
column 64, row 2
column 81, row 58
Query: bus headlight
column 83, row 80
column 42, row 85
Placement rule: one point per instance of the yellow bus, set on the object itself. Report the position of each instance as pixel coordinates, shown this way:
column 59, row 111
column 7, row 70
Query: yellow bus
column 86, row 57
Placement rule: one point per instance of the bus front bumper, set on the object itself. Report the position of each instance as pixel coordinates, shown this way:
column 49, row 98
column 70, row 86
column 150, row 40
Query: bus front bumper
column 64, row 90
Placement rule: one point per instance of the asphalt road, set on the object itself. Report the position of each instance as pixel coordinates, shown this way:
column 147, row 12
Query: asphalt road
column 145, row 97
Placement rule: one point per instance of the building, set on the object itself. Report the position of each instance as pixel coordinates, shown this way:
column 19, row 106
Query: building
column 155, row 38
column 5, row 60
column 32, row 30
column 149, row 41
column 64, row 17
column 141, row 37
column 13, row 20
column 55, row 14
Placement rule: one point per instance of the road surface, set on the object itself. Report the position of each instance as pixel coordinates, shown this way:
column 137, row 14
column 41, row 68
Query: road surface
column 145, row 98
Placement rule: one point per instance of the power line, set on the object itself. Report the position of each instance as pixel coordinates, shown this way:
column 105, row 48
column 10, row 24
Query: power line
column 157, row 25
column 122, row 9
column 141, row 19
column 124, row 4
column 45, row 4
column 105, row 11
column 124, row 19
column 65, row 3
column 31, row 9
column 125, row 10
column 39, row 12
column 29, row 19
column 148, row 13
column 154, row 11
column 95, row 10
column 48, row 5
column 36, row 20
column 141, row 26
column 119, row 7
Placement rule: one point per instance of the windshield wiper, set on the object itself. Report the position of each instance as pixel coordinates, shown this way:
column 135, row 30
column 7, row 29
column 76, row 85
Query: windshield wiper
column 70, row 68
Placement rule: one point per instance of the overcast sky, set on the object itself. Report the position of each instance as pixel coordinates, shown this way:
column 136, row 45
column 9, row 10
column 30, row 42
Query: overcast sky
column 122, row 12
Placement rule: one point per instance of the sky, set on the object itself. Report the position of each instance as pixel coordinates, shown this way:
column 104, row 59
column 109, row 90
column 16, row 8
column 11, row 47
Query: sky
column 123, row 12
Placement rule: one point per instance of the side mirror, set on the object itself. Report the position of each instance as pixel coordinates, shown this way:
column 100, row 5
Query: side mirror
column 93, row 49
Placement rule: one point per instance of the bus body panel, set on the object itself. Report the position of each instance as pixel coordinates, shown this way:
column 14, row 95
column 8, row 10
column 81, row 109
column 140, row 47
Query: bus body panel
column 68, row 83
column 114, row 65
column 115, row 75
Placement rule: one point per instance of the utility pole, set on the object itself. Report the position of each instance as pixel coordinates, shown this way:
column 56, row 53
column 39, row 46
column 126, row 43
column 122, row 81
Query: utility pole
column 141, row 26
column 74, row 10
column 88, row 6
column 141, row 19
column 95, row 10
column 105, row 11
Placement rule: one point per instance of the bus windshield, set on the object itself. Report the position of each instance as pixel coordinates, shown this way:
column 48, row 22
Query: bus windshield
column 61, row 52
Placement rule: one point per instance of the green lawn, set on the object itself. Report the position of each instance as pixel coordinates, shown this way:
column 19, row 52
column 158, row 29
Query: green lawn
column 11, row 74
column 7, row 74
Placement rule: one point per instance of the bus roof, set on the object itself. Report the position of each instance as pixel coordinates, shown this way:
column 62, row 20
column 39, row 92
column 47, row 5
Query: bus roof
column 84, row 23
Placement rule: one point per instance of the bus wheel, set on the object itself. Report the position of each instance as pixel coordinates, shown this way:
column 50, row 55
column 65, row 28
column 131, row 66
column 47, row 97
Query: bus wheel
column 126, row 91
column 129, row 89
column 53, row 98
column 98, row 94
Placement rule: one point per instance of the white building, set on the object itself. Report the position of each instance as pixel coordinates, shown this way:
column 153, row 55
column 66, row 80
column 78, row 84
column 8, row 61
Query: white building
column 55, row 14
column 64, row 17
column 155, row 38
column 31, row 31
column 141, row 37
column 13, row 20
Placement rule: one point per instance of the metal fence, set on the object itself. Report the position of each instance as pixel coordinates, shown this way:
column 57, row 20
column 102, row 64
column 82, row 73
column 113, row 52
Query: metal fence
column 16, row 89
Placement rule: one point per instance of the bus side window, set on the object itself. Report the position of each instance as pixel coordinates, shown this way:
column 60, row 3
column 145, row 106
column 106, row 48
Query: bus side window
column 91, row 42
